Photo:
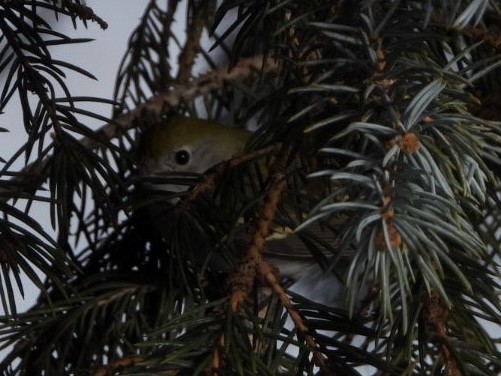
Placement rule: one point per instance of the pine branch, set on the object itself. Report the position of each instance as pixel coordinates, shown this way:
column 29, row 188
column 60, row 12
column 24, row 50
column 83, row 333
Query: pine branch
column 382, row 97
column 215, row 173
column 435, row 313
column 84, row 13
column 202, row 17
column 242, row 281
column 122, row 364
column 155, row 107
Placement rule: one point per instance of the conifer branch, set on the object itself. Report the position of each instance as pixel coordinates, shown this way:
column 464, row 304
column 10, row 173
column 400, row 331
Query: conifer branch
column 242, row 280
column 255, row 266
column 84, row 12
column 115, row 366
column 267, row 272
column 216, row 172
column 436, row 314
column 186, row 60
column 397, row 100
column 156, row 106
column 174, row 96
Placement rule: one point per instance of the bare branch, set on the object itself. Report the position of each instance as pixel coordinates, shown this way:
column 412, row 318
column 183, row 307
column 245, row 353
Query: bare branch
column 191, row 48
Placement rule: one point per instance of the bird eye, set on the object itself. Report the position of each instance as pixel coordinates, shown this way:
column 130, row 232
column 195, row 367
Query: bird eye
column 182, row 157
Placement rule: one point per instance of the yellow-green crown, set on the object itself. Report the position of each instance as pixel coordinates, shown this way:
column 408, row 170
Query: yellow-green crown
column 181, row 131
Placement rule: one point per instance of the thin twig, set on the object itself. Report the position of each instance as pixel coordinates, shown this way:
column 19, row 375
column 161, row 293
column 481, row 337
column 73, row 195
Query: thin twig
column 436, row 314
column 157, row 105
column 243, row 279
column 84, row 13
column 186, row 60
column 216, row 172
column 177, row 94
column 253, row 266
column 113, row 367
column 267, row 272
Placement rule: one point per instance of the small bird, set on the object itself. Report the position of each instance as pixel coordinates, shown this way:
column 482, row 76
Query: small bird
column 193, row 145
column 190, row 145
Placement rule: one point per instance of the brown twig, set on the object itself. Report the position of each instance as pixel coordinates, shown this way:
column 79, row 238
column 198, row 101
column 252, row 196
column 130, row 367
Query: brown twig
column 217, row 358
column 186, row 58
column 117, row 365
column 157, row 105
column 266, row 271
column 216, row 172
column 253, row 265
column 436, row 314
column 489, row 37
column 185, row 92
column 242, row 281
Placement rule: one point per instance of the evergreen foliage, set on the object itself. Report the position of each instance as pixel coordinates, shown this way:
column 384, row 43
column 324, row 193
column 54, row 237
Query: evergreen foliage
column 386, row 111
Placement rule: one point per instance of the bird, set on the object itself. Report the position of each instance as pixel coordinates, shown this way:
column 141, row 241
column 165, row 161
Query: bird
column 192, row 145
